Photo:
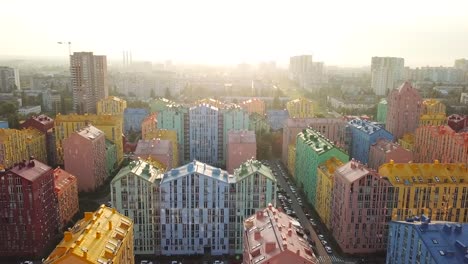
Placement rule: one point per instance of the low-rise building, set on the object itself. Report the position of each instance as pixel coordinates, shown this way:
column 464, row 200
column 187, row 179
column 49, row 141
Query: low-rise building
column 457, row 122
column 270, row 236
column 66, row 190
column 26, row 110
column 241, row 146
column 104, row 236
column 384, row 150
column 427, row 241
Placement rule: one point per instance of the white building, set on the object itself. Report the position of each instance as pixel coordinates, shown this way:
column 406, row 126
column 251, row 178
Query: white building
column 205, row 130
column 387, row 73
column 9, row 79
column 306, row 73
column 52, row 101
column 26, row 110
column 464, row 98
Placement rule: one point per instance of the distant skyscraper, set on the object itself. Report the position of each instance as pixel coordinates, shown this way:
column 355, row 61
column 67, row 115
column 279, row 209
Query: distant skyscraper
column 89, row 81
column 386, row 72
column 9, row 79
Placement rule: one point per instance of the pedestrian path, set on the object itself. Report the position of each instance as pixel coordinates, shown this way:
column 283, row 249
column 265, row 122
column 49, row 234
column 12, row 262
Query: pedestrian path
column 332, row 258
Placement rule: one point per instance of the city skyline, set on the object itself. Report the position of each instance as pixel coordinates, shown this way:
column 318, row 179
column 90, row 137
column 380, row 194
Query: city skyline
column 211, row 32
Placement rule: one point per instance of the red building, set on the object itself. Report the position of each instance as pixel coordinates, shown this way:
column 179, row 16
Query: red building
column 384, row 150
column 66, row 189
column 28, row 210
column 457, row 122
column 44, row 124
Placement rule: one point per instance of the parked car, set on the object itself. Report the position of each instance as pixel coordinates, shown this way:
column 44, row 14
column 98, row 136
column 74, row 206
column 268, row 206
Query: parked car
column 324, row 242
column 328, row 249
column 321, row 237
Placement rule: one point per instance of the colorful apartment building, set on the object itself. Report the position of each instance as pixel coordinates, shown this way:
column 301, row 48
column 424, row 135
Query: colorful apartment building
column 404, row 110
column 253, row 106
column 259, row 124
column 270, row 237
column 324, row 197
column 85, row 157
column 364, row 134
column 407, row 141
column 104, row 236
column 156, row 149
column 276, row 118
column 437, row 190
column 440, row 143
column 233, row 118
column 175, row 117
column 432, row 113
column 170, row 135
column 29, row 215
column 424, row 242
column 111, row 157
column 457, row 122
column 44, row 124
column 360, row 209
column 382, row 108
column 133, row 118
column 300, row 108
column 149, row 124
column 312, row 149
column 111, row 125
column 18, row 145
column 159, row 104
column 66, row 190
column 111, row 105
column 241, row 146
column 135, row 193
column 332, row 128
column 292, row 159
column 384, row 150
column 213, row 102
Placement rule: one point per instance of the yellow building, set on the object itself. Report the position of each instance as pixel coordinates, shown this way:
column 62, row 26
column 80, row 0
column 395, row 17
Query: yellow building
column 300, row 108
column 292, row 159
column 111, row 125
column 111, row 105
column 324, row 199
column 18, row 145
column 35, row 144
column 104, row 236
column 407, row 141
column 440, row 191
column 170, row 135
column 432, row 113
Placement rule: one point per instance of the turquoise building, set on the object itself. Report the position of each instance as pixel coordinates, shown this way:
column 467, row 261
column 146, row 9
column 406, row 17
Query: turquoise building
column 175, row 117
column 111, row 157
column 159, row 104
column 234, row 118
column 312, row 149
column 382, row 111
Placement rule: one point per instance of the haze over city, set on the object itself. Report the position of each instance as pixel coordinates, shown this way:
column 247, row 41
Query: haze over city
column 345, row 33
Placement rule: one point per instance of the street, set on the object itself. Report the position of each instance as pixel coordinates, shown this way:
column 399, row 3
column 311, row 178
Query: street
column 323, row 257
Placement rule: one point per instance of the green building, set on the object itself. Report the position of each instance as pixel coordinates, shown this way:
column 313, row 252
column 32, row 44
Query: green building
column 312, row 149
column 175, row 117
column 159, row 104
column 111, row 157
column 234, row 118
column 382, row 111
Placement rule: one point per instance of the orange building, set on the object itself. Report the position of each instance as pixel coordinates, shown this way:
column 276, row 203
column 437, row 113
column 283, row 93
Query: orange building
column 254, row 106
column 66, row 189
column 149, row 124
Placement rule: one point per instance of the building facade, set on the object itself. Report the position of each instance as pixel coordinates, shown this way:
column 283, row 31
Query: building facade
column 364, row 134
column 9, row 79
column 425, row 242
column 360, row 209
column 85, row 157
column 104, row 236
column 324, row 198
column 407, row 141
column 45, row 125
column 384, row 150
column 31, row 109
column 29, row 215
column 241, row 146
column 432, row 113
column 149, row 124
column 312, row 149
column 440, row 143
column 300, row 108
column 276, row 118
column 437, row 190
column 382, row 107
column 111, row 105
column 66, row 190
column 457, row 122
column 404, row 110
column 171, row 136
column 386, row 73
column 156, row 149
column 111, row 157
column 253, row 106
column 176, row 118
column 133, row 118
column 18, row 145
column 89, row 81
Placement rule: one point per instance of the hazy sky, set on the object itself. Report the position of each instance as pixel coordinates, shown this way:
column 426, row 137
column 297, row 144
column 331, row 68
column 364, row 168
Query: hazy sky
column 198, row 31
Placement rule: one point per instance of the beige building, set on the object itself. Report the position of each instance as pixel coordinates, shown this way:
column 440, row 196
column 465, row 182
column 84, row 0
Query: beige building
column 111, row 105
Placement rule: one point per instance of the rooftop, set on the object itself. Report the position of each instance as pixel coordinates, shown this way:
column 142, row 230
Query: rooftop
column 197, row 167
column 385, row 145
column 30, row 170
column 270, row 233
column 447, row 242
column 318, row 142
column 97, row 237
column 62, row 179
column 365, row 126
column 90, row 132
column 424, row 173
column 241, row 136
column 153, row 147
column 330, row 166
column 43, row 119
column 354, row 170
column 253, row 166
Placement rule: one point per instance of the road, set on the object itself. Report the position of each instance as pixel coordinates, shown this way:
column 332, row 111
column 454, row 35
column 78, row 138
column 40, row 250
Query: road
column 322, row 255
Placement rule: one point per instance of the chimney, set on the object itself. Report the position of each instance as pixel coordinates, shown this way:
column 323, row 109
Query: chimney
column 110, row 225
column 276, row 219
column 270, row 206
column 98, row 235
column 248, row 224
column 280, row 227
column 270, row 246
column 67, row 236
column 285, row 245
column 298, row 252
column 259, row 215
column 88, row 216
column 289, row 232
column 290, row 224
column 257, row 234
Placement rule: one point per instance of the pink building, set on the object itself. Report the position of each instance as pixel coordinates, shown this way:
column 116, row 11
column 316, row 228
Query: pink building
column 156, row 149
column 85, row 157
column 149, row 124
column 254, row 106
column 270, row 237
column 385, row 150
column 241, row 147
column 457, row 122
column 331, row 128
column 440, row 143
column 404, row 109
column 359, row 214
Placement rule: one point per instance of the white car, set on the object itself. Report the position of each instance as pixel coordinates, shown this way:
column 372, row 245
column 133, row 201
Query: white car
column 328, row 249
column 321, row 237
